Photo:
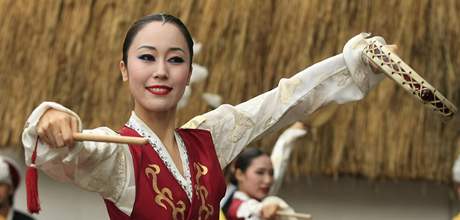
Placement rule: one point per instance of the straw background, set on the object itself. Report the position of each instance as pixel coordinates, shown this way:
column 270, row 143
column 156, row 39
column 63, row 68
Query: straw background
column 68, row 51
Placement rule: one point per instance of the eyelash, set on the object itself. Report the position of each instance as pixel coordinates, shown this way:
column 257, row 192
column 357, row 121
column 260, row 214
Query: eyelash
column 261, row 172
column 176, row 60
column 148, row 57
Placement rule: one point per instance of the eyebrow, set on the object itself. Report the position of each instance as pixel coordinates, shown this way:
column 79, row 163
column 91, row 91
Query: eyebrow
column 154, row 48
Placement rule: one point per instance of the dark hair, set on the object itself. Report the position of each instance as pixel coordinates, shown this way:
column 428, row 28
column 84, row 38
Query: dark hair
column 165, row 18
column 11, row 199
column 244, row 160
column 15, row 179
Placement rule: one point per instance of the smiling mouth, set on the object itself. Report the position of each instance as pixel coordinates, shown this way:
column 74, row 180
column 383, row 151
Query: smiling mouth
column 159, row 90
column 265, row 190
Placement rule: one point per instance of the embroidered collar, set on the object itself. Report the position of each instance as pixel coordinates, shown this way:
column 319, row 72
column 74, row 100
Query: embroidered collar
column 185, row 182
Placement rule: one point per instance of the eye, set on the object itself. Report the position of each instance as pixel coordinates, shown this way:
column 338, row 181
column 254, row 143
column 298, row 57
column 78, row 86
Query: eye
column 176, row 60
column 260, row 172
column 147, row 57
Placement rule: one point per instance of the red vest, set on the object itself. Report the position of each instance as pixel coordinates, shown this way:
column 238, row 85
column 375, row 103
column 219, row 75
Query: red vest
column 160, row 196
column 232, row 210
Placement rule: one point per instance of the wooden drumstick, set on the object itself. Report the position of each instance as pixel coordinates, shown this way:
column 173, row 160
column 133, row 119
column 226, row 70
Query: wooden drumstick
column 294, row 214
column 109, row 138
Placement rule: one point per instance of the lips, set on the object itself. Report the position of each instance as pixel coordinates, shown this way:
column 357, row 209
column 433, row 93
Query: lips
column 265, row 189
column 159, row 90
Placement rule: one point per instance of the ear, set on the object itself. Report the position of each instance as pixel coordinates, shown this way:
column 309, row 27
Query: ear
column 124, row 71
column 189, row 75
column 239, row 175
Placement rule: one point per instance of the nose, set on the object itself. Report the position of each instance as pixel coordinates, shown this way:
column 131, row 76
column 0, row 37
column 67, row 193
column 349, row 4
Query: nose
column 161, row 72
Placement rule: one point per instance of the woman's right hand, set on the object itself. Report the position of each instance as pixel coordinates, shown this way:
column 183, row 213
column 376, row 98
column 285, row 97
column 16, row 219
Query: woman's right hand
column 56, row 128
column 298, row 125
column 268, row 211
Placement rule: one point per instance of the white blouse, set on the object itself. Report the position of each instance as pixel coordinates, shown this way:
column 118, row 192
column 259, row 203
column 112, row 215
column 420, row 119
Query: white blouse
column 107, row 168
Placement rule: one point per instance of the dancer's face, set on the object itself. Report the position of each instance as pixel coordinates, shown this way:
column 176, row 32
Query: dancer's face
column 158, row 67
column 257, row 179
column 5, row 193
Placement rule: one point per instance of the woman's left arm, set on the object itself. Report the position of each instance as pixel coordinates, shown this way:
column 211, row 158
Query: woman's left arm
column 341, row 78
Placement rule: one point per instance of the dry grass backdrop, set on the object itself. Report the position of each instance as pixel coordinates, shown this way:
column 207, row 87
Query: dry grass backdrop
column 68, row 51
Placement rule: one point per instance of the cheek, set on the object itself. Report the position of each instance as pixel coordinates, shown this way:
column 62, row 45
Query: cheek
column 4, row 191
column 181, row 74
column 137, row 75
column 135, row 71
column 254, row 179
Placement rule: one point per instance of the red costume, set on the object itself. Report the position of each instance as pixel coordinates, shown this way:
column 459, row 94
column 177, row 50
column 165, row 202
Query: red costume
column 231, row 212
column 159, row 195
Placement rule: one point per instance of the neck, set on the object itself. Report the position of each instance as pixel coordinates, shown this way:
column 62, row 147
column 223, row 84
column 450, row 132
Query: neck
column 162, row 123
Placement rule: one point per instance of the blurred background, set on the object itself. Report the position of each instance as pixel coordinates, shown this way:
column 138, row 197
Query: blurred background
column 385, row 157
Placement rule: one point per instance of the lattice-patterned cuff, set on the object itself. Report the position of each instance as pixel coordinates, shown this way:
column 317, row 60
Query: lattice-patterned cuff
column 407, row 78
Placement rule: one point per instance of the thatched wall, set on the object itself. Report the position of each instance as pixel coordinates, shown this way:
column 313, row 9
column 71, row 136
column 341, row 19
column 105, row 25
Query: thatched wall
column 68, row 51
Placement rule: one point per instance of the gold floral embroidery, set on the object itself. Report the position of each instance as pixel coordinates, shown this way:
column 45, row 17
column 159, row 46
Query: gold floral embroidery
column 243, row 122
column 165, row 194
column 205, row 209
column 287, row 88
column 195, row 122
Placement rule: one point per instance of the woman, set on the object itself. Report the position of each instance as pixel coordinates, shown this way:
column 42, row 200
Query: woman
column 278, row 163
column 178, row 174
column 254, row 177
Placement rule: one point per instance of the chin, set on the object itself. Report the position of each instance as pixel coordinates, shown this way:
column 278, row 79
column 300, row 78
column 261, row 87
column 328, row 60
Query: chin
column 261, row 196
column 158, row 106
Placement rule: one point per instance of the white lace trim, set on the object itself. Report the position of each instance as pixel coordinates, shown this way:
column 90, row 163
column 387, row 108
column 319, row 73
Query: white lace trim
column 140, row 127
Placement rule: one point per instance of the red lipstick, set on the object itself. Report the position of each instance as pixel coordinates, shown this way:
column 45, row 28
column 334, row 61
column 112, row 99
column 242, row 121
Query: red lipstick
column 159, row 89
column 265, row 190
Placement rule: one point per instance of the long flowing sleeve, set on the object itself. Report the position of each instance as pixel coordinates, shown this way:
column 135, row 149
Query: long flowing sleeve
column 280, row 155
column 104, row 168
column 456, row 170
column 341, row 78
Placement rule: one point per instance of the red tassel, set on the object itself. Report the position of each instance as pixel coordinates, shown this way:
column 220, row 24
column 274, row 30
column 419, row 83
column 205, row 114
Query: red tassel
column 33, row 202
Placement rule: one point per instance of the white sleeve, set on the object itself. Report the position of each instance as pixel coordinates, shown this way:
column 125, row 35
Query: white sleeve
column 280, row 155
column 105, row 168
column 283, row 207
column 342, row 78
column 249, row 210
column 456, row 170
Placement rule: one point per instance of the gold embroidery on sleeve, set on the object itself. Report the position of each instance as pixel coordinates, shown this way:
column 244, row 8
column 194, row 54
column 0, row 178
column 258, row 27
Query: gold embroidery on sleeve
column 165, row 194
column 205, row 210
column 195, row 122
column 243, row 122
column 287, row 88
